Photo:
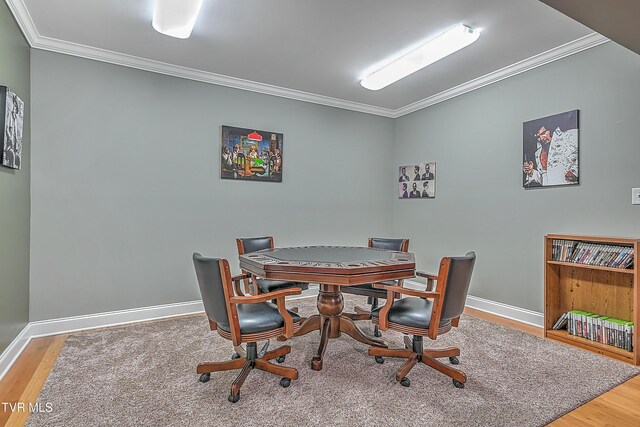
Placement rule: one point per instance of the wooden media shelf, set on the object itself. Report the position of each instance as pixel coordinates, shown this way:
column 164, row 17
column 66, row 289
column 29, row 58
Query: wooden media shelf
column 606, row 291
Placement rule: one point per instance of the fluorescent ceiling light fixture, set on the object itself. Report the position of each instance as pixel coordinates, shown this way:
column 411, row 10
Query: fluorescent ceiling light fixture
column 175, row 18
column 435, row 49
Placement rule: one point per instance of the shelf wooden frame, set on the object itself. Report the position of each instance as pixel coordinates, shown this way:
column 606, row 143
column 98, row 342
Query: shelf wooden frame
column 593, row 267
column 605, row 291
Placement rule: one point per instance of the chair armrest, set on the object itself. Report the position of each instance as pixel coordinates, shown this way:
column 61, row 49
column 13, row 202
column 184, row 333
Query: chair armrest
column 427, row 275
column 236, row 283
column 407, row 291
column 254, row 299
column 430, row 279
column 279, row 297
column 241, row 277
column 383, row 317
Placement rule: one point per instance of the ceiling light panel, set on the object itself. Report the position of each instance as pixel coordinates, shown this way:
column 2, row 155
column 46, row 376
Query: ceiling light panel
column 175, row 18
column 435, row 49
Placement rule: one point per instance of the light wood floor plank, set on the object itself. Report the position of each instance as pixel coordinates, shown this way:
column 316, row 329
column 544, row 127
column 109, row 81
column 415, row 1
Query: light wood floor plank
column 565, row 421
column 35, row 370
column 15, row 381
column 598, row 413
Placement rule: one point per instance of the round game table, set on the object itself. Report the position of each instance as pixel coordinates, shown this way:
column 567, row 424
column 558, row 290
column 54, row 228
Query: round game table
column 331, row 267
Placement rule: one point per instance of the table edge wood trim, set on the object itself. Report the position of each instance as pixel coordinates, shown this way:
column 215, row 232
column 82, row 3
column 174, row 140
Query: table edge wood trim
column 335, row 279
column 291, row 268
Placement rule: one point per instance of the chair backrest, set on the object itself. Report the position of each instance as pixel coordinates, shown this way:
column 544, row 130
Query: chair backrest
column 214, row 286
column 251, row 244
column 457, row 271
column 390, row 244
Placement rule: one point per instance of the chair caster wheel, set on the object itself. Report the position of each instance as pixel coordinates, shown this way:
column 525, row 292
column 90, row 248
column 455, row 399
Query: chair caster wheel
column 234, row 398
column 235, row 356
column 405, row 382
column 458, row 384
column 281, row 359
column 204, row 378
column 454, row 360
column 285, row 382
column 377, row 334
column 379, row 359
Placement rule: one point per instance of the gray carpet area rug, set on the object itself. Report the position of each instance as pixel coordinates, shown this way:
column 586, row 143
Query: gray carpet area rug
column 144, row 375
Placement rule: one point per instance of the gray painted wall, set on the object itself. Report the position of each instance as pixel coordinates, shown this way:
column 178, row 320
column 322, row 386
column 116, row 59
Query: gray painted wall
column 125, row 182
column 14, row 190
column 126, row 178
column 476, row 141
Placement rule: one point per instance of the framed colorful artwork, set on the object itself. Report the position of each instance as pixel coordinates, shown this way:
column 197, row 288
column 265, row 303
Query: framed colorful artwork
column 251, row 155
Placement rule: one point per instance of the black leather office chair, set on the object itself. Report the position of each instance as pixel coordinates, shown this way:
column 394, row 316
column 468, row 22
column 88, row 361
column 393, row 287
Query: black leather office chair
column 244, row 319
column 253, row 244
column 422, row 317
column 368, row 290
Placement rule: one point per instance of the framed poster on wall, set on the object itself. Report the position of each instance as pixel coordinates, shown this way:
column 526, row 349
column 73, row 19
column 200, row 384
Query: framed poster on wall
column 550, row 151
column 251, row 155
column 417, row 181
column 11, row 124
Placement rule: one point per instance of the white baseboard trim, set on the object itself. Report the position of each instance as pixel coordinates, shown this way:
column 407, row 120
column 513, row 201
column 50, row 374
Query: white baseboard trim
column 518, row 314
column 91, row 321
column 496, row 308
column 13, row 351
column 112, row 318
column 67, row 325
column 121, row 317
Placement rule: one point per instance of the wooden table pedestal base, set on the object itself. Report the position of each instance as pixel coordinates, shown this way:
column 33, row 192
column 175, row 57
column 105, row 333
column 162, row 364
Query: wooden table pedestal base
column 332, row 323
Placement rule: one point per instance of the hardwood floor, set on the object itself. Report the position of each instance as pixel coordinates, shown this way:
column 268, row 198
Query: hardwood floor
column 26, row 377
column 618, row 407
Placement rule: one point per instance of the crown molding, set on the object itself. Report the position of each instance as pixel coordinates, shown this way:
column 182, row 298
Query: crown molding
column 22, row 16
column 562, row 51
column 37, row 41
column 97, row 54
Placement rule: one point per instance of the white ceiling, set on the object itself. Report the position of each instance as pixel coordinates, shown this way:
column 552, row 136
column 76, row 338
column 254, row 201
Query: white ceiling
column 315, row 50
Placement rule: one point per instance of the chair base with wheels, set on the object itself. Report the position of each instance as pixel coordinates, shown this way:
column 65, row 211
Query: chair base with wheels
column 252, row 361
column 364, row 314
column 415, row 353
